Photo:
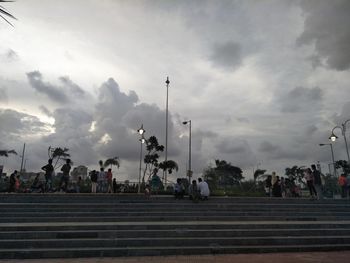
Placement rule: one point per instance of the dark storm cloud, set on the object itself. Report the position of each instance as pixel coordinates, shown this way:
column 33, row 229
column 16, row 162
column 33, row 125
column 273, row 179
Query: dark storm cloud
column 3, row 95
column 327, row 27
column 227, row 55
column 301, row 99
column 18, row 123
column 268, row 147
column 52, row 92
column 73, row 88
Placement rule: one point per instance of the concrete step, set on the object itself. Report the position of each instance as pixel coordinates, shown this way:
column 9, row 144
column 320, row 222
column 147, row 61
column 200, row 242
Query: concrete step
column 45, row 219
column 174, row 214
column 81, row 252
column 185, row 232
column 173, row 225
column 173, row 241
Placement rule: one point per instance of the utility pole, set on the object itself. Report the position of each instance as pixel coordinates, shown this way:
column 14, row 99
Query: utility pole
column 24, row 148
column 167, row 82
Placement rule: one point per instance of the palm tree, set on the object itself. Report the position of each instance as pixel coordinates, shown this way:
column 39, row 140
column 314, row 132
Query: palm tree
column 7, row 152
column 4, row 13
column 112, row 161
column 259, row 173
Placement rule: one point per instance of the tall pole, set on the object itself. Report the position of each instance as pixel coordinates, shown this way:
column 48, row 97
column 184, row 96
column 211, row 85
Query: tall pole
column 24, row 148
column 346, row 143
column 141, row 131
column 139, row 186
column 335, row 170
column 189, row 151
column 166, row 130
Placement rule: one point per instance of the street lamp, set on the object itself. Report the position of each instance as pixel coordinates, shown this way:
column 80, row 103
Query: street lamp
column 334, row 137
column 189, row 149
column 167, row 82
column 323, row 144
column 141, row 131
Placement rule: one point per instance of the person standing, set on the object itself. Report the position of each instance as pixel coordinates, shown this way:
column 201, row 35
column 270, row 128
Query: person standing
column 310, row 182
column 93, row 177
column 343, row 184
column 101, row 181
column 48, row 168
column 203, row 188
column 65, row 177
column 193, row 191
column 317, row 181
column 155, row 182
column 115, row 186
column 12, row 186
column 268, row 186
column 109, row 180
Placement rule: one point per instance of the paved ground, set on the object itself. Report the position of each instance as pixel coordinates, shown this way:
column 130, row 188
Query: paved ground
column 314, row 257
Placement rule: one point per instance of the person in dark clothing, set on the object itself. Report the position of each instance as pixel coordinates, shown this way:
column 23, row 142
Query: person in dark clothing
column 276, row 188
column 37, row 186
column 65, row 177
column 12, row 182
column 48, row 175
column 179, row 189
column 115, row 185
column 268, row 185
column 93, row 177
column 317, row 181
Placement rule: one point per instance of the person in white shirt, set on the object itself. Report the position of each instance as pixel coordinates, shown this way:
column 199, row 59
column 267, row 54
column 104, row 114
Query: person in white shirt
column 203, row 189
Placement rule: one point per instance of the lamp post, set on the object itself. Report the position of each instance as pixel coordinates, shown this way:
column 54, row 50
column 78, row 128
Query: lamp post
column 334, row 137
column 141, row 131
column 167, row 82
column 323, row 144
column 189, row 149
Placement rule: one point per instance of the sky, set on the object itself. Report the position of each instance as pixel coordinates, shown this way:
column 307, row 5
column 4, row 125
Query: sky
column 263, row 82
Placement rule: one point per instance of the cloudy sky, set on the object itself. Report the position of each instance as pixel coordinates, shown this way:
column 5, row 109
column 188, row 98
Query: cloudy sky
column 263, row 82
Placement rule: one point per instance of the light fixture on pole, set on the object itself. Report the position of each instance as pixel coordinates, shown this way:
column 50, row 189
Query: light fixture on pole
column 167, row 82
column 334, row 169
column 141, row 131
column 189, row 150
column 333, row 137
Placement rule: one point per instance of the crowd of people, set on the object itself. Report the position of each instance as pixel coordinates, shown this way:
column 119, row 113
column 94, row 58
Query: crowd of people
column 281, row 187
column 196, row 191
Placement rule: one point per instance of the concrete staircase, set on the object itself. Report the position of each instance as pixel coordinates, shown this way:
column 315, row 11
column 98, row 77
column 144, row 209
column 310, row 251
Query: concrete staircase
column 85, row 225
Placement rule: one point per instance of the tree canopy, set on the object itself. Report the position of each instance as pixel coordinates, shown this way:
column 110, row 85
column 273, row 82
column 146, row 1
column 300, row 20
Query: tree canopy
column 223, row 174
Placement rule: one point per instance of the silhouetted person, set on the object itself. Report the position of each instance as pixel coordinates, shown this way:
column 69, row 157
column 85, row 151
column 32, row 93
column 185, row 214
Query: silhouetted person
column 179, row 190
column 115, row 186
column 268, row 186
column 317, row 181
column 37, row 186
column 193, row 191
column 48, row 174
column 155, row 181
column 109, row 176
column 12, row 185
column 65, row 176
column 343, row 185
column 276, row 188
column 93, row 177
column 310, row 182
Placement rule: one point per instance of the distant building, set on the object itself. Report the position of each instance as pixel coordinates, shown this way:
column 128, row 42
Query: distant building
column 80, row 170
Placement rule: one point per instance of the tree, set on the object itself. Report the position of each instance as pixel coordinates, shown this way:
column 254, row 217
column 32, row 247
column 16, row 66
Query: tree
column 295, row 173
column 4, row 13
column 169, row 165
column 259, row 173
column 153, row 149
column 112, row 161
column 7, row 152
column 152, row 156
column 58, row 154
column 223, row 175
column 344, row 165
